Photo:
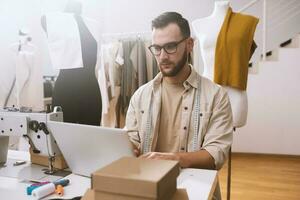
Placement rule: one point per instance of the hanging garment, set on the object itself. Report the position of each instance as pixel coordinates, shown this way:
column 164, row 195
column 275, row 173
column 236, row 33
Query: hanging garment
column 138, row 59
column 24, row 61
column 119, row 63
column 77, row 90
column 233, row 50
column 64, row 41
column 103, row 79
column 155, row 67
column 149, row 58
column 111, row 59
column 27, row 88
column 124, row 64
column 152, row 68
column 129, row 76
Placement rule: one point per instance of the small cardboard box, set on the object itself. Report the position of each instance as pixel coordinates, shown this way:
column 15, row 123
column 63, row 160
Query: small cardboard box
column 152, row 179
column 88, row 195
column 98, row 195
column 180, row 194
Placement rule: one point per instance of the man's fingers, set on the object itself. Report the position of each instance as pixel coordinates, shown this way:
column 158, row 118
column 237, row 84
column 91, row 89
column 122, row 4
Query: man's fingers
column 136, row 152
column 150, row 155
column 160, row 156
column 146, row 155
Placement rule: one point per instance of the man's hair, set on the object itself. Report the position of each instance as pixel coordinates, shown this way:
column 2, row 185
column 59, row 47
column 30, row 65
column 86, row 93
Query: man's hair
column 166, row 18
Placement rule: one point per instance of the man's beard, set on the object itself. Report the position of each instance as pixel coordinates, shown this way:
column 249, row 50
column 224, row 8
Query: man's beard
column 178, row 67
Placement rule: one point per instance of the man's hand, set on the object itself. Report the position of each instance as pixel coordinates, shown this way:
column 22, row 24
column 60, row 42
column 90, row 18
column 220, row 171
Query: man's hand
column 136, row 150
column 199, row 159
column 161, row 156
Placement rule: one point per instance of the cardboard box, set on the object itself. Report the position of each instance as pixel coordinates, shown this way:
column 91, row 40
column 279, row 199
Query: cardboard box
column 88, row 195
column 98, row 195
column 59, row 162
column 180, row 194
column 152, row 179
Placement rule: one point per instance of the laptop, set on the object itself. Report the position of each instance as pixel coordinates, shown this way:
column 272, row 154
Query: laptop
column 88, row 148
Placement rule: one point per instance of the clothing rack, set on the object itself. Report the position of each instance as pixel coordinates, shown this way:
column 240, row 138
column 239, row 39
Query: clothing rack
column 107, row 37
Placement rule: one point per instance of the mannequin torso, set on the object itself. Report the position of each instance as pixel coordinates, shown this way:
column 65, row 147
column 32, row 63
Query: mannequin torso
column 76, row 89
column 28, row 88
column 207, row 30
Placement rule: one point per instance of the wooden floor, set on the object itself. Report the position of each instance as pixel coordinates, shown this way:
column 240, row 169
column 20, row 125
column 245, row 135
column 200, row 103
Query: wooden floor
column 256, row 176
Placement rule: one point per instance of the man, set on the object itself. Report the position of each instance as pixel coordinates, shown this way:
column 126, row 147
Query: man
column 179, row 115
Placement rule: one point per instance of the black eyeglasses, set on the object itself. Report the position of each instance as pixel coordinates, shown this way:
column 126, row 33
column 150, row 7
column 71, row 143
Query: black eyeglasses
column 169, row 47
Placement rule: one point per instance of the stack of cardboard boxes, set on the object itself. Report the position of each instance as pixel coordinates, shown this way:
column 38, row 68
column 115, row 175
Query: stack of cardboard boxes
column 136, row 179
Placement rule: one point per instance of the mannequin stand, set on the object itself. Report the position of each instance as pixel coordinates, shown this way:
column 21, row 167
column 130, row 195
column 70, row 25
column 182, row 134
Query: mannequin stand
column 229, row 175
column 229, row 172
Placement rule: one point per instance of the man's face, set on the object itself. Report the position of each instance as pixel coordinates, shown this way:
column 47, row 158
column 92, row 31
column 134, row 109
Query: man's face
column 170, row 64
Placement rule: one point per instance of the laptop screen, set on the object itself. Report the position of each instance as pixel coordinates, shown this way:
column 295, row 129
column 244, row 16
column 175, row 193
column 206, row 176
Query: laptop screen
column 88, row 148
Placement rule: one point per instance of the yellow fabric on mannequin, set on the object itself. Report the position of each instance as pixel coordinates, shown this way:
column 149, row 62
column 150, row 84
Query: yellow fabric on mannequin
column 233, row 50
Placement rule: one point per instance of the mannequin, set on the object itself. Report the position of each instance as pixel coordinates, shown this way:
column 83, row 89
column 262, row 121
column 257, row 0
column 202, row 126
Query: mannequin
column 76, row 89
column 28, row 86
column 207, row 31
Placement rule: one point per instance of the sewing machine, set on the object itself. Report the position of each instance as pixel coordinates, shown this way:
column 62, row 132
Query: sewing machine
column 32, row 126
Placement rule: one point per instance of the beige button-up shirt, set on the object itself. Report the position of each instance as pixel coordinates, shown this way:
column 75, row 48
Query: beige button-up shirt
column 215, row 117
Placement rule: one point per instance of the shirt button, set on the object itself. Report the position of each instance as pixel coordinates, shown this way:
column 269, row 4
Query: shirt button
column 182, row 148
column 201, row 114
column 185, row 108
column 142, row 111
column 184, row 128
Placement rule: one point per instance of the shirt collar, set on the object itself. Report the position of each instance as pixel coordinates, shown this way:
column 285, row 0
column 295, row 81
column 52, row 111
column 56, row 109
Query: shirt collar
column 190, row 81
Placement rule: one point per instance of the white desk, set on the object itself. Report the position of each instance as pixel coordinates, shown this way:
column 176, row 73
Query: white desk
column 200, row 184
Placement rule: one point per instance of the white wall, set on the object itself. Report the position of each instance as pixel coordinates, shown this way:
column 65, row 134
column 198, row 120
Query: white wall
column 273, row 124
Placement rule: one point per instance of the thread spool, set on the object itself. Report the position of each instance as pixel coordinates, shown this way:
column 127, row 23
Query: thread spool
column 59, row 190
column 43, row 191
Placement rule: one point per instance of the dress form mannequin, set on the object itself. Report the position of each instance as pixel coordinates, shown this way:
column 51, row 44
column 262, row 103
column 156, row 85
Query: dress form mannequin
column 22, row 73
column 28, row 88
column 207, row 30
column 76, row 89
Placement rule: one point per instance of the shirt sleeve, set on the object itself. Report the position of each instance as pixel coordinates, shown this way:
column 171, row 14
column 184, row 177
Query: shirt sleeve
column 218, row 137
column 131, row 123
